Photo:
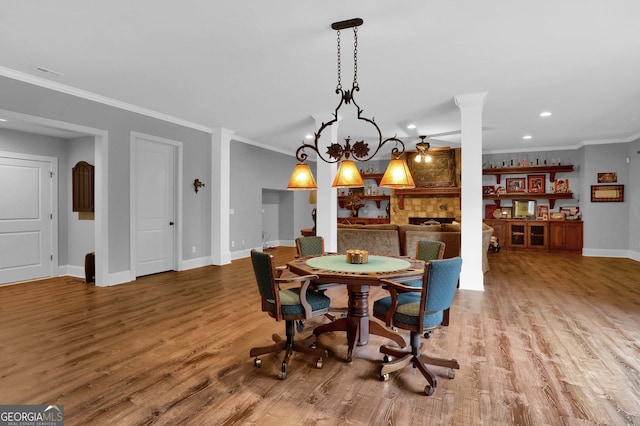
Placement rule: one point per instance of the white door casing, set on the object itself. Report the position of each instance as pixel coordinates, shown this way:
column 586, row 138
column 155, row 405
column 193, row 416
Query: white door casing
column 28, row 200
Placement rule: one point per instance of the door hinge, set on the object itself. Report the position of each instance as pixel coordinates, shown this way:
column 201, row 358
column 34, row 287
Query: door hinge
column 51, row 216
column 51, row 174
column 51, row 257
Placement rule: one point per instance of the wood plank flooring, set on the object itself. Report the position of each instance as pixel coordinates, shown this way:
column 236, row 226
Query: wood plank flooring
column 554, row 340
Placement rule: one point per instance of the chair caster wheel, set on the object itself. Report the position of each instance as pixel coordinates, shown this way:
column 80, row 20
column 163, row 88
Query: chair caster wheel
column 394, row 329
column 319, row 363
column 384, row 377
column 283, row 373
column 427, row 334
column 429, row 390
column 452, row 373
column 387, row 358
column 257, row 362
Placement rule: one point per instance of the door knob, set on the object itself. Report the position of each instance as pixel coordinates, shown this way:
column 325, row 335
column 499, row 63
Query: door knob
column 170, row 223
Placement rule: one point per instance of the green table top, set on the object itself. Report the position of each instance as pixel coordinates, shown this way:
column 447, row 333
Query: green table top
column 376, row 264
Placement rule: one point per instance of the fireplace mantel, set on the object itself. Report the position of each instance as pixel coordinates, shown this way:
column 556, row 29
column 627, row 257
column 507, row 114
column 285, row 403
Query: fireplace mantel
column 449, row 191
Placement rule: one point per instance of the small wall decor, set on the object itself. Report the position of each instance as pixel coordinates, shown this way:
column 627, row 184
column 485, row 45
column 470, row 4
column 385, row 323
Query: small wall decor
column 488, row 189
column 607, row 193
column 607, row 177
column 561, row 186
column 197, row 184
column 515, row 185
column 543, row 212
column 535, row 183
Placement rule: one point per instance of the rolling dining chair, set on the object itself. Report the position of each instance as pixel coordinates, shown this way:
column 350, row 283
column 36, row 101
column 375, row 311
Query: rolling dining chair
column 418, row 309
column 429, row 250
column 290, row 305
column 310, row 246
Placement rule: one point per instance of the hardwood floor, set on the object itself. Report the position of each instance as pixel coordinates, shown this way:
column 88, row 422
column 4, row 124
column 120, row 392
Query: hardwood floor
column 554, row 340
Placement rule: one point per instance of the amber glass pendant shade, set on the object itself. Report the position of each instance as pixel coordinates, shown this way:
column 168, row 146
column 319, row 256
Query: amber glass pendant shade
column 397, row 176
column 302, row 178
column 348, row 176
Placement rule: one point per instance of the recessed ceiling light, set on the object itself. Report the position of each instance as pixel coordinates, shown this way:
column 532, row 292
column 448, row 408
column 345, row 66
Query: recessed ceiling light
column 309, row 136
column 527, row 137
column 545, row 114
column 411, row 126
column 3, row 119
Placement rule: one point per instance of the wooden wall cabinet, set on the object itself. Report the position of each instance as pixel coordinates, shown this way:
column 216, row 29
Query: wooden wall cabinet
column 566, row 235
column 541, row 235
column 83, row 187
column 527, row 234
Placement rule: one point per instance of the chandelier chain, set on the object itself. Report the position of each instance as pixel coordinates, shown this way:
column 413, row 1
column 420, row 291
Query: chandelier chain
column 355, row 57
column 339, row 87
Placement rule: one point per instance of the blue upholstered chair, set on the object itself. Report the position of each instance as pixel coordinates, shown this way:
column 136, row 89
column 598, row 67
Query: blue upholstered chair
column 418, row 309
column 429, row 250
column 290, row 305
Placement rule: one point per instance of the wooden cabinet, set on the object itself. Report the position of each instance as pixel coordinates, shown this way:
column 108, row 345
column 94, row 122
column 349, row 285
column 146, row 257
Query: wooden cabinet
column 542, row 235
column 82, row 187
column 528, row 234
column 566, row 235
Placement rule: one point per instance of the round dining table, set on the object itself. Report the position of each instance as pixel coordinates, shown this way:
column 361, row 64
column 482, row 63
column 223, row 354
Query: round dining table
column 358, row 278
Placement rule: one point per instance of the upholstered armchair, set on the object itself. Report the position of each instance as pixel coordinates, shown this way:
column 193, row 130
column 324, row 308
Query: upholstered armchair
column 418, row 309
column 290, row 304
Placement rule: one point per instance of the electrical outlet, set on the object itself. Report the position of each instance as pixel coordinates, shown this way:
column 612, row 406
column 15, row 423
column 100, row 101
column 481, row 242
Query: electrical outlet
column 233, row 243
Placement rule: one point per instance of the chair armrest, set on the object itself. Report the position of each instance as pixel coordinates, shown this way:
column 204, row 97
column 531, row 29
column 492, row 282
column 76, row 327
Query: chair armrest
column 401, row 288
column 394, row 288
column 306, row 281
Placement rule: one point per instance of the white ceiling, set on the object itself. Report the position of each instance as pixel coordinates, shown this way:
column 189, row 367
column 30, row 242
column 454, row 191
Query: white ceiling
column 263, row 68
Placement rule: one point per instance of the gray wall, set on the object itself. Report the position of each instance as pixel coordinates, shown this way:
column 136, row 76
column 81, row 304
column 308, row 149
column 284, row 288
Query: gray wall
column 41, row 102
column 253, row 170
column 610, row 229
column 607, row 227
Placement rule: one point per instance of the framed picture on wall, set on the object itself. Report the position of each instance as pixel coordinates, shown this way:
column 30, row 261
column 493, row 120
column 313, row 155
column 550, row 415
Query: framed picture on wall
column 536, row 183
column 515, row 185
column 607, row 193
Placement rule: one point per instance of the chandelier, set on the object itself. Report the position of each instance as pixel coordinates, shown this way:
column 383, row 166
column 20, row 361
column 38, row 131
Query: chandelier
column 397, row 174
column 422, row 155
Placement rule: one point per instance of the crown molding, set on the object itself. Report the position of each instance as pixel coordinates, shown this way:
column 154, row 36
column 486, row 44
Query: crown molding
column 63, row 88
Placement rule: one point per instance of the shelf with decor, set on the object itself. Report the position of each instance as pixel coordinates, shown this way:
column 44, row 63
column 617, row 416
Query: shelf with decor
column 375, row 198
column 532, row 187
column 552, row 197
column 551, row 170
column 376, row 195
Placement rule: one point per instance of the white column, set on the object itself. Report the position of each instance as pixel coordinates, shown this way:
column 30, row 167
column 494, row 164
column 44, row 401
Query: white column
column 327, row 207
column 220, row 195
column 471, row 277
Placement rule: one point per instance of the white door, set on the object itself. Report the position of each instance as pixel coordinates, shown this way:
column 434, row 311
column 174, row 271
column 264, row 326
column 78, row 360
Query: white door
column 155, row 206
column 26, row 250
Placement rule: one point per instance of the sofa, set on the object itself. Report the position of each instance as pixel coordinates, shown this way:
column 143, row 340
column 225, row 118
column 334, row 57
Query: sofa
column 400, row 240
